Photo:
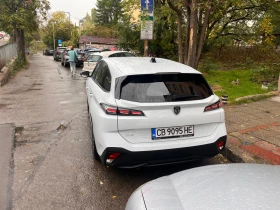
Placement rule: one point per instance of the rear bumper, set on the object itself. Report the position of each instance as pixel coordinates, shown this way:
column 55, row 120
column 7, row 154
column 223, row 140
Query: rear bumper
column 129, row 159
column 80, row 62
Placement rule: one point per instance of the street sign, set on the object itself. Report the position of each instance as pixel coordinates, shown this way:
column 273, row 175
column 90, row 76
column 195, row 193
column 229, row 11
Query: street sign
column 59, row 42
column 147, row 5
column 147, row 19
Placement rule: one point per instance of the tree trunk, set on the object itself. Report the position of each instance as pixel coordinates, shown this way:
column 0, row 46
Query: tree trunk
column 19, row 33
column 180, row 39
column 187, row 40
column 202, row 35
column 193, row 36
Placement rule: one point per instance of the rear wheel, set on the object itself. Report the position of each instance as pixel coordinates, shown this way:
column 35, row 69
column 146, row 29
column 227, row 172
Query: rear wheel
column 94, row 151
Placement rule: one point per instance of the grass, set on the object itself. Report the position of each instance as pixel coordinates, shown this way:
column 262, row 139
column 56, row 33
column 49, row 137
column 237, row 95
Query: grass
column 220, row 81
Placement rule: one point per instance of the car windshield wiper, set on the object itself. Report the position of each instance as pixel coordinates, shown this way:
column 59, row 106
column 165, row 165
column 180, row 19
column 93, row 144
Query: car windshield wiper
column 184, row 96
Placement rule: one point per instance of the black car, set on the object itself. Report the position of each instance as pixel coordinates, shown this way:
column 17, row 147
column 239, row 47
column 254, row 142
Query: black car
column 80, row 60
column 48, row 52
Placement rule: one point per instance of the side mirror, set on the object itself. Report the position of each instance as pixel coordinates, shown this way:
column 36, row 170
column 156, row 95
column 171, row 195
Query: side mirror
column 84, row 74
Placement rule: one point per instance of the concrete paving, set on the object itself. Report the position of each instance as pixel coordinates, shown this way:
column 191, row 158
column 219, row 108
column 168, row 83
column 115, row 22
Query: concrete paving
column 6, row 175
column 254, row 132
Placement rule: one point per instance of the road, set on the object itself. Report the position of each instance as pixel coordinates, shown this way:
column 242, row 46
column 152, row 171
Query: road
column 53, row 167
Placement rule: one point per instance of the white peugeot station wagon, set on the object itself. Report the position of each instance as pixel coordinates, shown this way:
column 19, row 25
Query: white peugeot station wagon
column 146, row 112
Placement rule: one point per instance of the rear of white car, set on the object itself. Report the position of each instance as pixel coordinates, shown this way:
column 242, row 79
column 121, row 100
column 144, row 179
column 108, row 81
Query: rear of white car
column 153, row 113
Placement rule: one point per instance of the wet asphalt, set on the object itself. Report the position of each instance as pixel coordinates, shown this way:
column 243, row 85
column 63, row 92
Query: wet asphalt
column 53, row 166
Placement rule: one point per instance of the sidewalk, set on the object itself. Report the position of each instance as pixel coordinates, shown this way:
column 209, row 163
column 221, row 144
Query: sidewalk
column 254, row 132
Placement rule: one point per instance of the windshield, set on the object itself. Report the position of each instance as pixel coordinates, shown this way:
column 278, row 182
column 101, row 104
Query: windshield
column 153, row 88
column 94, row 58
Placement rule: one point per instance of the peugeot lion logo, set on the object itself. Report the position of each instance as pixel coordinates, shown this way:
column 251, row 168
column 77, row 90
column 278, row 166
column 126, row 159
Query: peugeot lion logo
column 177, row 110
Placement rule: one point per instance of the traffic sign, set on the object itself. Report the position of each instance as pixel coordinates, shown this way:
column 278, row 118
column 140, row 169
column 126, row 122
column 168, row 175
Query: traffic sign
column 147, row 5
column 59, row 42
column 147, row 19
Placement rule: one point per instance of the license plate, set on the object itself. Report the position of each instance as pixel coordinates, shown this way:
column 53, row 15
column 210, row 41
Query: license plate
column 173, row 132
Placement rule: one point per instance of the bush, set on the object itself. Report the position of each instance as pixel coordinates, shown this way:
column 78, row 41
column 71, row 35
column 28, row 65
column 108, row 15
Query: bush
column 18, row 64
column 207, row 65
column 269, row 73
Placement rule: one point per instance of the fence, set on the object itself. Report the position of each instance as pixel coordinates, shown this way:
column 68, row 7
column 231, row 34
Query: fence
column 7, row 52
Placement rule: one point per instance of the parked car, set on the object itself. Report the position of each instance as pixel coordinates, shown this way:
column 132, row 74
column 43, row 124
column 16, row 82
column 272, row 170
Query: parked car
column 57, row 53
column 146, row 112
column 80, row 60
column 48, row 52
column 92, row 59
column 91, row 51
column 228, row 186
column 1, row 36
column 65, row 58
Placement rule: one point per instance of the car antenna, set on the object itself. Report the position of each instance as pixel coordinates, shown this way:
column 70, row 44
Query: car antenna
column 153, row 60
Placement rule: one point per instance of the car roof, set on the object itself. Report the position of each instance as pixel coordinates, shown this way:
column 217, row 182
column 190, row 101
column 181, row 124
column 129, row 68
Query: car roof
column 225, row 186
column 108, row 53
column 123, row 66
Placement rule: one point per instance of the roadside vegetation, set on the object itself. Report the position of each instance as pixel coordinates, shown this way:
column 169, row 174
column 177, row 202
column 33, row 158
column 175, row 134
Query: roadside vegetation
column 239, row 72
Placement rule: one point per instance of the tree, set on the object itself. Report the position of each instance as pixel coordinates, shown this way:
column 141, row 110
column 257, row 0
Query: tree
column 58, row 25
column 210, row 19
column 93, row 16
column 108, row 12
column 75, row 36
column 20, row 17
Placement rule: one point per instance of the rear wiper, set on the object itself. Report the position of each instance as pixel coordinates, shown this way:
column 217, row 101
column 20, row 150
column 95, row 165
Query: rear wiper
column 174, row 97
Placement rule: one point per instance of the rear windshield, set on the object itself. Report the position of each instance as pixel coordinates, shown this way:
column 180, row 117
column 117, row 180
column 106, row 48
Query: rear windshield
column 154, row 88
column 94, row 58
column 61, row 49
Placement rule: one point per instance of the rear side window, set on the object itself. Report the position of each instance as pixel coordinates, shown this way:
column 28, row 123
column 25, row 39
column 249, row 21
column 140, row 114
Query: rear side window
column 154, row 88
column 102, row 76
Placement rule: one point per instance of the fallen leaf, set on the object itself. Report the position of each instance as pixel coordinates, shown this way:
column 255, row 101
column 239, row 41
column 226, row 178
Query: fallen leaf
column 101, row 182
column 114, row 196
column 74, row 167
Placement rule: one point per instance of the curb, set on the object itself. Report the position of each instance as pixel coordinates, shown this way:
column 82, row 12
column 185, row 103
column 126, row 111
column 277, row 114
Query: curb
column 257, row 96
column 6, row 73
column 236, row 155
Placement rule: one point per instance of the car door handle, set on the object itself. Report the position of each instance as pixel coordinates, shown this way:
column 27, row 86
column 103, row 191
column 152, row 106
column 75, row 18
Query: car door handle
column 86, row 87
column 90, row 94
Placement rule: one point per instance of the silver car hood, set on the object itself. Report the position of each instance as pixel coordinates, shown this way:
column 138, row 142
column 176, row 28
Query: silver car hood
column 216, row 187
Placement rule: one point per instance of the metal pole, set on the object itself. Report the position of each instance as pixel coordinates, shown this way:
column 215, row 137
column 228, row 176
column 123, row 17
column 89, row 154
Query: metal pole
column 146, row 43
column 145, row 48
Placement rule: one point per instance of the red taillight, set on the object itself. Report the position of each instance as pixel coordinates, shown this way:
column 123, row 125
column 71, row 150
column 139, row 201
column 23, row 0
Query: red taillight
column 124, row 111
column 112, row 157
column 221, row 145
column 111, row 110
column 214, row 106
column 56, row 52
column 133, row 112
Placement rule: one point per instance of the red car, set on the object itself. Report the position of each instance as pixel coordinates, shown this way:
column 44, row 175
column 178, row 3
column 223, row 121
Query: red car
column 1, row 36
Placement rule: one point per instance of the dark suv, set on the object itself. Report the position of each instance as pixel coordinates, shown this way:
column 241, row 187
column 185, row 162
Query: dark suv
column 57, row 53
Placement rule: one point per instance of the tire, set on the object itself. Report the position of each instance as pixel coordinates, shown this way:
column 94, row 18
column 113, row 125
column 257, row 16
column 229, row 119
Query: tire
column 94, row 151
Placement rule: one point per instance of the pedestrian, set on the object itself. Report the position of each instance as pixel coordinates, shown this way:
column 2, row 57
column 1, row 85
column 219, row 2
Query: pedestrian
column 72, row 57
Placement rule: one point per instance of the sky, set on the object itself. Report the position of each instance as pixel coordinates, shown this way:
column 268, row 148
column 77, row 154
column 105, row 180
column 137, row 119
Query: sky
column 77, row 8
